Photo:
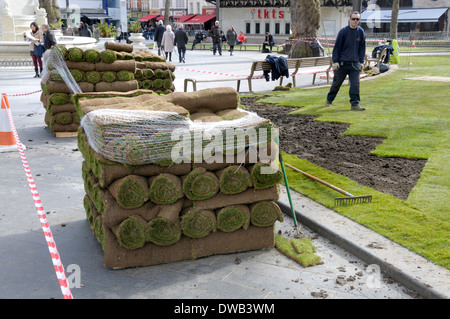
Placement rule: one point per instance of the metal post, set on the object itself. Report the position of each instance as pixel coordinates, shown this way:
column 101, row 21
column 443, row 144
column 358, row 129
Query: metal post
column 357, row 5
column 217, row 11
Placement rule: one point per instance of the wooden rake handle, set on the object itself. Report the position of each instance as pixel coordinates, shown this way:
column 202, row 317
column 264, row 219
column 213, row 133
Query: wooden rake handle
column 337, row 189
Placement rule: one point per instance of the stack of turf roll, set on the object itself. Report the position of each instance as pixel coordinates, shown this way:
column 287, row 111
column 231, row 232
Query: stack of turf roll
column 86, row 71
column 156, row 76
column 150, row 199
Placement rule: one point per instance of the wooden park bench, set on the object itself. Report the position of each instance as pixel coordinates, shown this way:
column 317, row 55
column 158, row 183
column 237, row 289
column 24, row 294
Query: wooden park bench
column 260, row 66
column 257, row 66
column 376, row 61
column 314, row 62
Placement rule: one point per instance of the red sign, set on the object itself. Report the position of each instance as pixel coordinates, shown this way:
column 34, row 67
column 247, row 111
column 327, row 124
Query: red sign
column 208, row 10
column 267, row 14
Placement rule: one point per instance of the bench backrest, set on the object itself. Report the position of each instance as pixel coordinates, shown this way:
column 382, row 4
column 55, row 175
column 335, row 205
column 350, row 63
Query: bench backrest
column 266, row 66
column 316, row 61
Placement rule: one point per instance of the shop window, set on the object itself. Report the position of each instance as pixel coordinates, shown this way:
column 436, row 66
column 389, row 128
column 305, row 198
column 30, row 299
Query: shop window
column 277, row 28
column 247, row 28
column 287, row 28
column 267, row 27
column 257, row 28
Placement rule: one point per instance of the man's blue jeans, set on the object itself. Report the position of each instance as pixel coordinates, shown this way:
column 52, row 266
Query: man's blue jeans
column 217, row 46
column 352, row 70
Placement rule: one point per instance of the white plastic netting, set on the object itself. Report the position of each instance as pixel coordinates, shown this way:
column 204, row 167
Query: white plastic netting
column 138, row 137
column 54, row 63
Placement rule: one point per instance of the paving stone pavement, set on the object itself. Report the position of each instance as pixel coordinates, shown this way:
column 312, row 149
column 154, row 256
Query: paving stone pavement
column 26, row 270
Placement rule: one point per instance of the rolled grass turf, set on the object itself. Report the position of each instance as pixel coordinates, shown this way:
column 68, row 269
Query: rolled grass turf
column 265, row 178
column 92, row 56
column 93, row 77
column 200, row 184
column 165, row 189
column 108, row 56
column 120, row 47
column 165, row 229
column 75, row 54
column 233, row 217
column 265, row 213
column 131, row 232
column 162, row 233
column 234, row 179
column 198, row 223
column 130, row 191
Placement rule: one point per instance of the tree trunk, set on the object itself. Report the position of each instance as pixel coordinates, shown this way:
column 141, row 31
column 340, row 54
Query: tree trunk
column 167, row 12
column 305, row 21
column 52, row 8
column 394, row 19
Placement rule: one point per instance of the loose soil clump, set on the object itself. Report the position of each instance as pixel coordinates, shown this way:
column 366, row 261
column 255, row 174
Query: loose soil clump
column 323, row 144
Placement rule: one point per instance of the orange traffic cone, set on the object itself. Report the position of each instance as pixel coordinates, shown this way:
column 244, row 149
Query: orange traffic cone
column 7, row 142
column 413, row 44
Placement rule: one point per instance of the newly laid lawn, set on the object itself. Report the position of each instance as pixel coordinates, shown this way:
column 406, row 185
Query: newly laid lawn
column 414, row 118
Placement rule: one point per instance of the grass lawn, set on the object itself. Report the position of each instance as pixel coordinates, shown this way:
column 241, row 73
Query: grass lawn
column 414, row 118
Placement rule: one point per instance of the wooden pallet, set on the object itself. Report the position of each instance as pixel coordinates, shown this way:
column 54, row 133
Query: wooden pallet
column 66, row 134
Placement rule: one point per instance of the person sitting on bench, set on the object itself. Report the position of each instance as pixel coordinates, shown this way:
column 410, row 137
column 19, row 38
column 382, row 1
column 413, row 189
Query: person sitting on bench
column 241, row 38
column 268, row 40
column 199, row 36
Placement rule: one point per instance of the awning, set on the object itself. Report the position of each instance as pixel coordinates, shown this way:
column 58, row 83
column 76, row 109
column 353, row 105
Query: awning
column 404, row 15
column 185, row 18
column 200, row 19
column 161, row 18
column 148, row 17
column 93, row 16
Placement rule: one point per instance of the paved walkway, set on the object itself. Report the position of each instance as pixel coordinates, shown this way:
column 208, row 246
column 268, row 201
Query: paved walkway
column 26, row 270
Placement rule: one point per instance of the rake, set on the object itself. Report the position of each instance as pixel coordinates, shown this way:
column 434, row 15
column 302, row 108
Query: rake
column 338, row 201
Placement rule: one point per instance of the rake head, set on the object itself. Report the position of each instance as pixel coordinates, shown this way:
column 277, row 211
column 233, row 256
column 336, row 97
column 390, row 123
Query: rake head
column 343, row 201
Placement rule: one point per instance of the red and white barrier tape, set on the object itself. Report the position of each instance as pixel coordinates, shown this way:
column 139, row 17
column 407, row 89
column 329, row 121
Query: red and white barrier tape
column 24, row 94
column 58, row 266
column 240, row 76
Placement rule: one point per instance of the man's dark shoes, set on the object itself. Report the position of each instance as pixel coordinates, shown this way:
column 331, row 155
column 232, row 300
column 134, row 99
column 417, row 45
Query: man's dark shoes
column 357, row 108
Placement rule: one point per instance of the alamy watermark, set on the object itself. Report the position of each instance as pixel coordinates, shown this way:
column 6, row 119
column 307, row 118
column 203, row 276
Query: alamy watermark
column 231, row 145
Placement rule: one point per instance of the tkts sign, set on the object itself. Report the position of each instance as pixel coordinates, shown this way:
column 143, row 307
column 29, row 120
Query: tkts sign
column 267, row 14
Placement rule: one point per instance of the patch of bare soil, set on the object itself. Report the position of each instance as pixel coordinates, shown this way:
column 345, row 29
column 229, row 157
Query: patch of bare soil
column 324, row 144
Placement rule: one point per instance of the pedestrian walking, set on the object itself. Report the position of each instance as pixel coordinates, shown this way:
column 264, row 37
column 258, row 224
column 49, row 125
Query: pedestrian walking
column 231, row 38
column 348, row 59
column 167, row 42
column 181, row 39
column 216, row 36
column 36, row 39
column 159, row 32
column 85, row 31
column 69, row 31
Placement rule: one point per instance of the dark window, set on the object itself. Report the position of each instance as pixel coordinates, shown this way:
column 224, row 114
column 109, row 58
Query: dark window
column 268, row 27
column 257, row 30
column 277, row 28
column 287, row 28
column 247, row 28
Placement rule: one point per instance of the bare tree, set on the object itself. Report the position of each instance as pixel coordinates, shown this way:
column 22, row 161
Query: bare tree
column 394, row 19
column 305, row 20
column 52, row 8
column 166, row 12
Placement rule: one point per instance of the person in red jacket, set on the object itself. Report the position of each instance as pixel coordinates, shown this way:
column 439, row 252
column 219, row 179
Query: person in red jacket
column 241, row 38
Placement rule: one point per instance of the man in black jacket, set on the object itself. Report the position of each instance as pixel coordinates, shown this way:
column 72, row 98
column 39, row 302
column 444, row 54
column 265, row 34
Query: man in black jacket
column 199, row 36
column 268, row 40
column 181, row 39
column 160, row 29
column 49, row 37
column 216, row 36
